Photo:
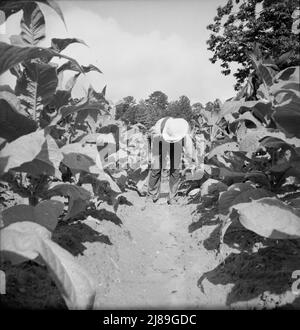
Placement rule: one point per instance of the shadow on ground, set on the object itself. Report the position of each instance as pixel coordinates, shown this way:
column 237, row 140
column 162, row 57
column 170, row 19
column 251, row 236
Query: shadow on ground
column 71, row 237
column 104, row 214
column 253, row 273
column 205, row 214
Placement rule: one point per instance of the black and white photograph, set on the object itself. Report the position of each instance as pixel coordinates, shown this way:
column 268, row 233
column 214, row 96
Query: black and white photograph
column 149, row 157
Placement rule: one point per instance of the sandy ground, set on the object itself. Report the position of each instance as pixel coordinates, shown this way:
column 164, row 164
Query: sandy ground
column 165, row 257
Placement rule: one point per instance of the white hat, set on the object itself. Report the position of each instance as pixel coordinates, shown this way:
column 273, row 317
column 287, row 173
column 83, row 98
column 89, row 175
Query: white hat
column 175, row 129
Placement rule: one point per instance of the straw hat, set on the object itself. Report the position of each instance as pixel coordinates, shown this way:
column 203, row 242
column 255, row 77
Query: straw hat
column 175, row 129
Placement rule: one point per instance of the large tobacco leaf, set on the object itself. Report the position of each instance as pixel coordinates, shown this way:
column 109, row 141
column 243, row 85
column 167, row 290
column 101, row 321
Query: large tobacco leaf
column 70, row 66
column 85, row 159
column 46, row 162
column 287, row 116
column 240, row 193
column 22, row 150
column 11, row 7
column 271, row 218
column 232, row 107
column 11, row 55
column 78, row 197
column 85, row 108
column 99, row 181
column 36, row 87
column 46, row 214
column 27, row 240
column 221, row 149
column 286, row 94
column 60, row 44
column 13, row 122
column 32, row 24
column 79, row 157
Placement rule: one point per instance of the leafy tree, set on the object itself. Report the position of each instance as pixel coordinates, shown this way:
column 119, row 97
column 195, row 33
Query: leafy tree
column 197, row 107
column 237, row 26
column 149, row 111
column 158, row 99
column 148, row 114
column 125, row 110
column 180, row 108
column 130, row 115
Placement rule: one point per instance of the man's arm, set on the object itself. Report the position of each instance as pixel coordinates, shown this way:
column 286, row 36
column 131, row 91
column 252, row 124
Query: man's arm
column 155, row 129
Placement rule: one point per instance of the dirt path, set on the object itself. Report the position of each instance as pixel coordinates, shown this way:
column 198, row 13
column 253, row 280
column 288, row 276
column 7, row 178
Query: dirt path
column 152, row 261
column 165, row 257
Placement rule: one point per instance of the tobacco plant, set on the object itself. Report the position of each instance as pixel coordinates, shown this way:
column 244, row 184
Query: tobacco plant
column 41, row 126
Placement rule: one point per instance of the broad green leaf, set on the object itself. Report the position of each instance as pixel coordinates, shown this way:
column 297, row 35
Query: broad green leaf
column 94, row 96
column 139, row 177
column 85, row 69
column 79, row 157
column 48, row 113
column 29, row 240
column 230, row 107
column 211, row 186
column 90, row 117
column 194, row 175
column 240, row 193
column 262, row 111
column 286, row 94
column 263, row 69
column 60, row 98
column 71, row 82
column 271, row 218
column 22, row 150
column 69, row 65
column 32, row 24
column 97, row 180
column 60, row 44
column 13, row 122
column 18, row 241
column 12, row 55
column 88, row 108
column 275, row 143
column 118, row 179
column 287, row 116
column 36, row 87
column 286, row 85
column 92, row 67
column 250, row 140
column 46, row 162
column 221, row 149
column 12, row 7
column 76, row 286
column 290, row 74
column 260, row 178
column 46, row 214
column 78, row 197
column 247, row 116
column 10, row 98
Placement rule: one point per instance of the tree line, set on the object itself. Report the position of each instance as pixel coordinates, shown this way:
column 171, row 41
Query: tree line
column 157, row 106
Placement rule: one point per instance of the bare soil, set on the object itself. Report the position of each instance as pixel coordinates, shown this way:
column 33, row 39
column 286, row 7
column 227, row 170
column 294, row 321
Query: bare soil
column 165, row 257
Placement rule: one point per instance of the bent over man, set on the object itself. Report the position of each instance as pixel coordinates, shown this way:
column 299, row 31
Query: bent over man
column 168, row 137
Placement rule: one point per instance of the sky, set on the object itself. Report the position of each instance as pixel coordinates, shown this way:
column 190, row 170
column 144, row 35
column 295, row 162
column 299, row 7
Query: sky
column 141, row 47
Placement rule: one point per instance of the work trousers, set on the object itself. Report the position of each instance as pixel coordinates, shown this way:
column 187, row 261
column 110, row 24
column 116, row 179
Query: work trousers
column 154, row 182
